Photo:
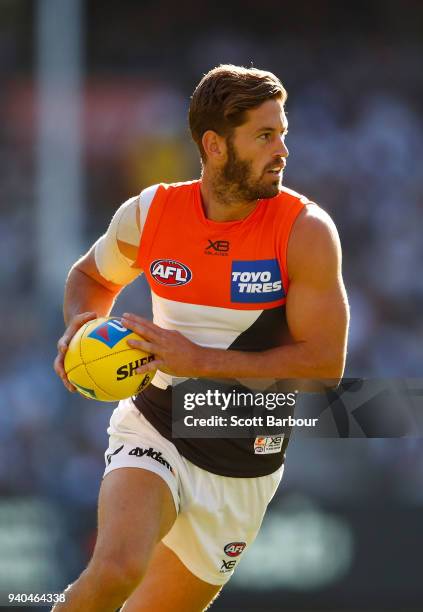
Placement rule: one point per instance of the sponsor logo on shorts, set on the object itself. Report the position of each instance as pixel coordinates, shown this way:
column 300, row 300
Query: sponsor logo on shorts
column 268, row 445
column 110, row 332
column 218, row 247
column 110, row 455
column 150, row 452
column 256, row 281
column 227, row 566
column 170, row 272
column 234, row 549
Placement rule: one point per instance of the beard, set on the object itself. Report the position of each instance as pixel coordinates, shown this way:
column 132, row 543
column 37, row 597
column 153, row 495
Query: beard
column 235, row 182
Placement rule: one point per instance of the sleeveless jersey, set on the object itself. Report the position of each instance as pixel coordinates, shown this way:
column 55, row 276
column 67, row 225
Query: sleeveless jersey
column 222, row 285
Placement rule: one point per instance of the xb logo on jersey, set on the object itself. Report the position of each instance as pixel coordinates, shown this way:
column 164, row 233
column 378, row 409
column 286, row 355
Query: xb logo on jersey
column 218, row 247
column 170, row 272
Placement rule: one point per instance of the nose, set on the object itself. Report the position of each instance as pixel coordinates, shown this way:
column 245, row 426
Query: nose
column 282, row 149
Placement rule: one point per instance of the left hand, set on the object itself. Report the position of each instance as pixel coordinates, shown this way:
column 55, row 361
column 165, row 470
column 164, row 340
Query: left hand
column 173, row 353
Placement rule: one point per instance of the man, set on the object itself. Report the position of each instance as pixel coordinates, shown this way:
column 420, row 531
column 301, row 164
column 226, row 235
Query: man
column 246, row 282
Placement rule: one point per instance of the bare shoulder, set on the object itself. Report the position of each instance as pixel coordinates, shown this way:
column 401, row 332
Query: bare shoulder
column 314, row 245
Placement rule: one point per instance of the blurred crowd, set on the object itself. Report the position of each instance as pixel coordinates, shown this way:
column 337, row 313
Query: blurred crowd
column 356, row 144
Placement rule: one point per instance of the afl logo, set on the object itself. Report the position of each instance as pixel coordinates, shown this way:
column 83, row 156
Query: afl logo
column 169, row 272
column 234, row 549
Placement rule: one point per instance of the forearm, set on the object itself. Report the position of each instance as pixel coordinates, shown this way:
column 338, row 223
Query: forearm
column 295, row 361
column 83, row 294
column 322, row 360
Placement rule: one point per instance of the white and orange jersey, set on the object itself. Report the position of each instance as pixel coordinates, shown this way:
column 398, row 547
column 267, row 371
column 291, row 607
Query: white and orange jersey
column 222, row 285
column 217, row 283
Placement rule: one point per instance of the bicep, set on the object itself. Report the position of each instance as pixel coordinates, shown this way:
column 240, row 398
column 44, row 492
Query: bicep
column 318, row 313
column 317, row 305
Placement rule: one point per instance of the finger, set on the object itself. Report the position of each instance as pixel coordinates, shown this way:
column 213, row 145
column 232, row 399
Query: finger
column 86, row 316
column 58, row 365
column 65, row 380
column 68, row 385
column 145, row 329
column 58, row 368
column 150, row 367
column 63, row 342
column 77, row 322
column 62, row 345
column 143, row 345
column 132, row 318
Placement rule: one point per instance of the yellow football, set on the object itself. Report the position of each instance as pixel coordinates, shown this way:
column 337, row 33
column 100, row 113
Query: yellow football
column 100, row 363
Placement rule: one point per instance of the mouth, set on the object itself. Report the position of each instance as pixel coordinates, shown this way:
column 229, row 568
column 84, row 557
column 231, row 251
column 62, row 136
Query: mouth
column 276, row 170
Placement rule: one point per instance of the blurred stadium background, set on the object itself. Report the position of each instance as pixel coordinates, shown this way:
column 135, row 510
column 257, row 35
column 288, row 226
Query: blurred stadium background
column 93, row 101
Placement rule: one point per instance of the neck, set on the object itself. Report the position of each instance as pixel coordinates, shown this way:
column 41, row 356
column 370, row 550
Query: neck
column 220, row 205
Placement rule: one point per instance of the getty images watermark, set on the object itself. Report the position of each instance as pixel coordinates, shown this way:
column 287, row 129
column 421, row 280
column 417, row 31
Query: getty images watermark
column 356, row 408
column 215, row 399
column 211, row 409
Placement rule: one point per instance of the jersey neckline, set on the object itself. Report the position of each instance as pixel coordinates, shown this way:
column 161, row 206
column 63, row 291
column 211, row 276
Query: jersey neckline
column 225, row 226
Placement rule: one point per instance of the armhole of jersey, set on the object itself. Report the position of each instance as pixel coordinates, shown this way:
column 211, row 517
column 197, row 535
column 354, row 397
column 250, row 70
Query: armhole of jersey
column 150, row 218
column 288, row 223
column 146, row 199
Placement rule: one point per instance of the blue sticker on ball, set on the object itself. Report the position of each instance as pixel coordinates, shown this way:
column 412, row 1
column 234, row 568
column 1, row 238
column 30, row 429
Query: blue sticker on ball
column 110, row 332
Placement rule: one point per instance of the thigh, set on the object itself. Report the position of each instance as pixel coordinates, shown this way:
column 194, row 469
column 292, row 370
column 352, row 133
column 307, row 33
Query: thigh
column 135, row 510
column 168, row 586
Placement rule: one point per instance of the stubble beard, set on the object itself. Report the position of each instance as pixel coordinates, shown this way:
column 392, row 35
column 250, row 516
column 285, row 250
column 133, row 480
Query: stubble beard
column 235, row 183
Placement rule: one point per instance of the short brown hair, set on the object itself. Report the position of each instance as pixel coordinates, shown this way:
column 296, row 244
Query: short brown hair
column 223, row 96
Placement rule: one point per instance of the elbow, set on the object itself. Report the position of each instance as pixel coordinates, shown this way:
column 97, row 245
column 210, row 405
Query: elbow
column 332, row 370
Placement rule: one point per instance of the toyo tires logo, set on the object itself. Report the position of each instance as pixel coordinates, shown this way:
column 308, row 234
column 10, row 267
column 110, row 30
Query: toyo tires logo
column 256, row 281
column 170, row 272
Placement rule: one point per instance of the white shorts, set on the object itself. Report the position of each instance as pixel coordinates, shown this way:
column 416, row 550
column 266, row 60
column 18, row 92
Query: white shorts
column 218, row 516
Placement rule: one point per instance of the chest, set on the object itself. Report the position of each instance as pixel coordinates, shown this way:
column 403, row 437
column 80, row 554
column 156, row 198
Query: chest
column 239, row 270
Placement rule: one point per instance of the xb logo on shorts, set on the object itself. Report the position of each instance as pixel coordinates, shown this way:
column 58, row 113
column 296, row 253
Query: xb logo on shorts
column 227, row 566
column 110, row 332
column 170, row 272
column 256, row 281
column 233, row 549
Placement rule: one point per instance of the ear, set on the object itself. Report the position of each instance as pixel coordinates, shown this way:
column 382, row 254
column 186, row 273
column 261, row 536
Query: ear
column 214, row 145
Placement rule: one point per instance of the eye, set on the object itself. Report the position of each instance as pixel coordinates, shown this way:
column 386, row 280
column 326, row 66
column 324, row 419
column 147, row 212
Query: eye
column 266, row 136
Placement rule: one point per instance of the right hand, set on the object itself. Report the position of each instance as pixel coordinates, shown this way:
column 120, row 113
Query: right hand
column 62, row 345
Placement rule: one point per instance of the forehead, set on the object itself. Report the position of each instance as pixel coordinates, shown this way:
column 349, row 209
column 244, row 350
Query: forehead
column 270, row 114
